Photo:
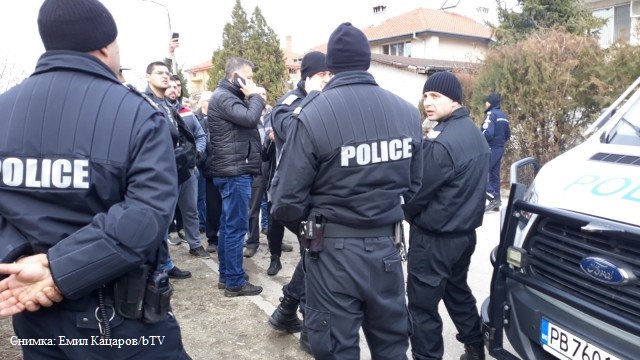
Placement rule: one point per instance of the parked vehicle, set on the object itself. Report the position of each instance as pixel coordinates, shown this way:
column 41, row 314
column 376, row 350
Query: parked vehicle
column 566, row 280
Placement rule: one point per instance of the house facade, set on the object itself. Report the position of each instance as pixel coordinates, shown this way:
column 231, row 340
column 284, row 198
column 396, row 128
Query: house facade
column 407, row 48
column 622, row 20
column 430, row 34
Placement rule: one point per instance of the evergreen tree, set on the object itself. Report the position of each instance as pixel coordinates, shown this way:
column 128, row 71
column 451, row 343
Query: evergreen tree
column 255, row 41
column 234, row 44
column 543, row 14
column 264, row 50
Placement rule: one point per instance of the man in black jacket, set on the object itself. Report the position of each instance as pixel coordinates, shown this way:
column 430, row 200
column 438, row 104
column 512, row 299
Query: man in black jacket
column 444, row 215
column 234, row 112
column 352, row 153
column 87, row 188
column 158, row 78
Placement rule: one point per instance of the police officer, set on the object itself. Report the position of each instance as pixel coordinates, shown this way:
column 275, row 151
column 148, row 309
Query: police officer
column 88, row 184
column 353, row 151
column 444, row 215
column 496, row 130
column 315, row 75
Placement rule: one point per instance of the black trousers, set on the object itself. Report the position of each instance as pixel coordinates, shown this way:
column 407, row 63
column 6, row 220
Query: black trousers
column 135, row 337
column 213, row 202
column 356, row 282
column 295, row 288
column 438, row 268
column 258, row 188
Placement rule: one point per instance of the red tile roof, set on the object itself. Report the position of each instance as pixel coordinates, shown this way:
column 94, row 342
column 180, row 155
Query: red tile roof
column 427, row 20
column 202, row 66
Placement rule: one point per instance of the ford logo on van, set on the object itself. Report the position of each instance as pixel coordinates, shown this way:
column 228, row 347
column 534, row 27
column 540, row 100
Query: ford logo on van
column 605, row 271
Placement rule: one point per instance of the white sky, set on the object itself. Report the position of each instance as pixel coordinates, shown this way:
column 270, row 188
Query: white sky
column 143, row 29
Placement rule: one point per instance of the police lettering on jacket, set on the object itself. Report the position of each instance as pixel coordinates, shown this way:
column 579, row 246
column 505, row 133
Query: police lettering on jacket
column 44, row 173
column 375, row 152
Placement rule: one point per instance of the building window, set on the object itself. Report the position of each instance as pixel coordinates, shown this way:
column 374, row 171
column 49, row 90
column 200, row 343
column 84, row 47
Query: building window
column 397, row 49
column 618, row 26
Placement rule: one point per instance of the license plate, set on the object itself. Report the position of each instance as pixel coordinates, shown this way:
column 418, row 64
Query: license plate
column 565, row 345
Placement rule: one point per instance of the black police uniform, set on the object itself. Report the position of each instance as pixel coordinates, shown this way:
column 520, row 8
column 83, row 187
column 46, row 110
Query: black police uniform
column 89, row 178
column 281, row 117
column 496, row 130
column 444, row 215
column 354, row 151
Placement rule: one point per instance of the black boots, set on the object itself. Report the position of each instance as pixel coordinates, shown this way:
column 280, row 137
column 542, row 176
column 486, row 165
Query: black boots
column 473, row 352
column 285, row 318
column 275, row 265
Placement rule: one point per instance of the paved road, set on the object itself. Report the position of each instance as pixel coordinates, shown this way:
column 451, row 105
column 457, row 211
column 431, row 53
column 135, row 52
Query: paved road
column 479, row 279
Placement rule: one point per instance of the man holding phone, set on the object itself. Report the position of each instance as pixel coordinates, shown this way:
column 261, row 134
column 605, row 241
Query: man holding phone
column 170, row 60
column 233, row 116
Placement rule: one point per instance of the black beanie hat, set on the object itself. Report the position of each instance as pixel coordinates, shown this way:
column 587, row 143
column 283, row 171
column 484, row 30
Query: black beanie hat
column 446, row 84
column 348, row 49
column 77, row 25
column 493, row 99
column 313, row 63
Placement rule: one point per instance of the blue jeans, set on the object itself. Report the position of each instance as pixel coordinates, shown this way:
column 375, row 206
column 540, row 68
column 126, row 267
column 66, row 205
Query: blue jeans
column 234, row 223
column 166, row 263
column 264, row 214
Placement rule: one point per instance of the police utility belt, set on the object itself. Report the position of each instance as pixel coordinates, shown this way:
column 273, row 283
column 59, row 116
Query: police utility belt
column 141, row 294
column 316, row 228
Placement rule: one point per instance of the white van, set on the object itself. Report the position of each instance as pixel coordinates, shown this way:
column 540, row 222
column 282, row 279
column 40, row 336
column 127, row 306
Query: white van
column 566, row 280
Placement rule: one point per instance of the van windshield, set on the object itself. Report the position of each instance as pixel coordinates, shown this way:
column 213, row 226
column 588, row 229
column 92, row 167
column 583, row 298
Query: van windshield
column 627, row 131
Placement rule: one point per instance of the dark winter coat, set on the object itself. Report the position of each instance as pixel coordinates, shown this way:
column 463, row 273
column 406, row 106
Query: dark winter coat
column 234, row 140
column 93, row 181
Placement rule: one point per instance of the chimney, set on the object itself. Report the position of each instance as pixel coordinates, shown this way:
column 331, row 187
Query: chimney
column 289, row 43
column 379, row 9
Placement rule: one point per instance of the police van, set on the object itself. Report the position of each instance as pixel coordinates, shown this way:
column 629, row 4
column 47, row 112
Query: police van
column 566, row 273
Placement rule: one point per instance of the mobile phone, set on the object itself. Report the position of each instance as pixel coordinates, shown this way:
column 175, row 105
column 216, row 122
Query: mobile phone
column 175, row 35
column 238, row 80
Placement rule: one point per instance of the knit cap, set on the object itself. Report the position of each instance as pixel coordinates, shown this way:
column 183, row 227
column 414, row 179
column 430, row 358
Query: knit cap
column 493, row 99
column 348, row 49
column 446, row 84
column 77, row 25
column 313, row 63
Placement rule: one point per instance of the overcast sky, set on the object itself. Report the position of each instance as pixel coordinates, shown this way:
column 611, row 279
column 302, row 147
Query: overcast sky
column 143, row 26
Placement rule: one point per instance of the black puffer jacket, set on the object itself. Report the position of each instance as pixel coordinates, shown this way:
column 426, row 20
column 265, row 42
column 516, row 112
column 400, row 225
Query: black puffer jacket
column 233, row 132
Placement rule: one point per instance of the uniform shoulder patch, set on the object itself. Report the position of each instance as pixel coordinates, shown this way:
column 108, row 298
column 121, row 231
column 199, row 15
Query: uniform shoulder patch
column 290, row 99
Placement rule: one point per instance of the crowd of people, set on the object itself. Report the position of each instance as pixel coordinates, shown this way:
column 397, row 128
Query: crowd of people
column 104, row 173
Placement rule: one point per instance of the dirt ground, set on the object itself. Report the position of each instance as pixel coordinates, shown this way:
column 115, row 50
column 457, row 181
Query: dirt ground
column 214, row 326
